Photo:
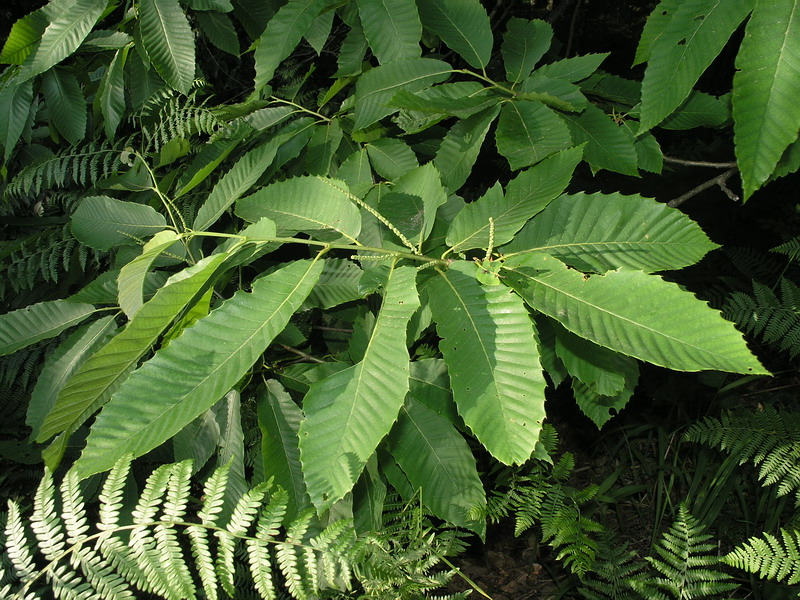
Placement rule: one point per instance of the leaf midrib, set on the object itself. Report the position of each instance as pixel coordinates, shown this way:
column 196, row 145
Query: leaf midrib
column 617, row 316
column 211, row 375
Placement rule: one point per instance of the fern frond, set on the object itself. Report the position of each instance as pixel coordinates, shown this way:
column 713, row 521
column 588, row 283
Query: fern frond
column 541, row 497
column 769, row 439
column 214, row 497
column 565, row 529
column 179, row 117
column 771, row 317
column 144, row 547
column 399, row 560
column 80, row 166
column 288, row 558
column 240, row 520
column 754, row 264
column 613, row 575
column 769, row 557
column 111, row 494
column 790, row 248
column 46, row 257
column 165, row 534
column 17, row 545
column 687, row 562
column 44, row 521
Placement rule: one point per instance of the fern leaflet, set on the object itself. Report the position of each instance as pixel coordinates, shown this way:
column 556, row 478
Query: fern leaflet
column 775, row 318
column 769, row 557
column 686, row 563
column 770, row 439
column 143, row 549
column 82, row 166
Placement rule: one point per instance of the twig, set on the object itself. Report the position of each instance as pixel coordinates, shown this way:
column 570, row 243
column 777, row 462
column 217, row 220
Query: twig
column 718, row 180
column 699, row 163
column 556, row 13
column 572, row 23
column 301, row 354
column 333, row 329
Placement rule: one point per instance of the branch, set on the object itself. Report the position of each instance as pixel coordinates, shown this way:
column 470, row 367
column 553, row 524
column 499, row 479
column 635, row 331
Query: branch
column 718, row 180
column 699, row 163
column 301, row 354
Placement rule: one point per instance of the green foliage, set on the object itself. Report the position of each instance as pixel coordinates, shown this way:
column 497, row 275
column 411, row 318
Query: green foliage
column 328, row 261
column 773, row 317
column 615, row 574
column 682, row 39
column 44, row 258
column 542, row 497
column 81, row 166
column 406, row 552
column 145, row 545
column 767, row 438
column 685, row 563
column 769, row 557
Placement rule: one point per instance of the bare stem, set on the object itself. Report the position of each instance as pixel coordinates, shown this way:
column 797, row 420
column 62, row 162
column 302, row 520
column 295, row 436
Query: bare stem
column 718, row 180
column 699, row 163
column 301, row 354
column 300, row 108
column 326, row 246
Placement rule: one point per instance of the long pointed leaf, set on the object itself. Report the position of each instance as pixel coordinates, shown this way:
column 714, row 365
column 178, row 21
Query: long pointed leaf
column 601, row 409
column 112, row 93
column 103, row 373
column 437, row 461
column 524, row 44
column 15, row 106
column 525, row 196
column 228, row 413
column 603, row 371
column 654, row 28
column 599, row 232
column 608, row 146
column 493, row 360
column 350, row 412
column 284, row 31
column 460, row 148
column 102, row 222
column 633, row 313
column 196, row 369
column 236, row 182
column 66, row 104
column 22, row 38
column 320, row 207
column 279, row 419
column 169, row 41
column 338, row 283
column 130, row 282
column 766, row 87
column 61, row 365
column 375, row 88
column 205, row 161
column 392, row 28
column 424, row 182
column 463, row 25
column 219, row 30
column 529, row 131
column 67, row 29
column 26, row 326
column 693, row 37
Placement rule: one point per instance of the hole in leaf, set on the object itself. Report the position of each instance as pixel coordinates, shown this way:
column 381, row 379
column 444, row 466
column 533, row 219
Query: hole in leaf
column 682, row 42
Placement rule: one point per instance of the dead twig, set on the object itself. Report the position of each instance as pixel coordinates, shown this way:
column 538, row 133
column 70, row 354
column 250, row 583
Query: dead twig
column 301, row 354
column 719, row 180
column 699, row 163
